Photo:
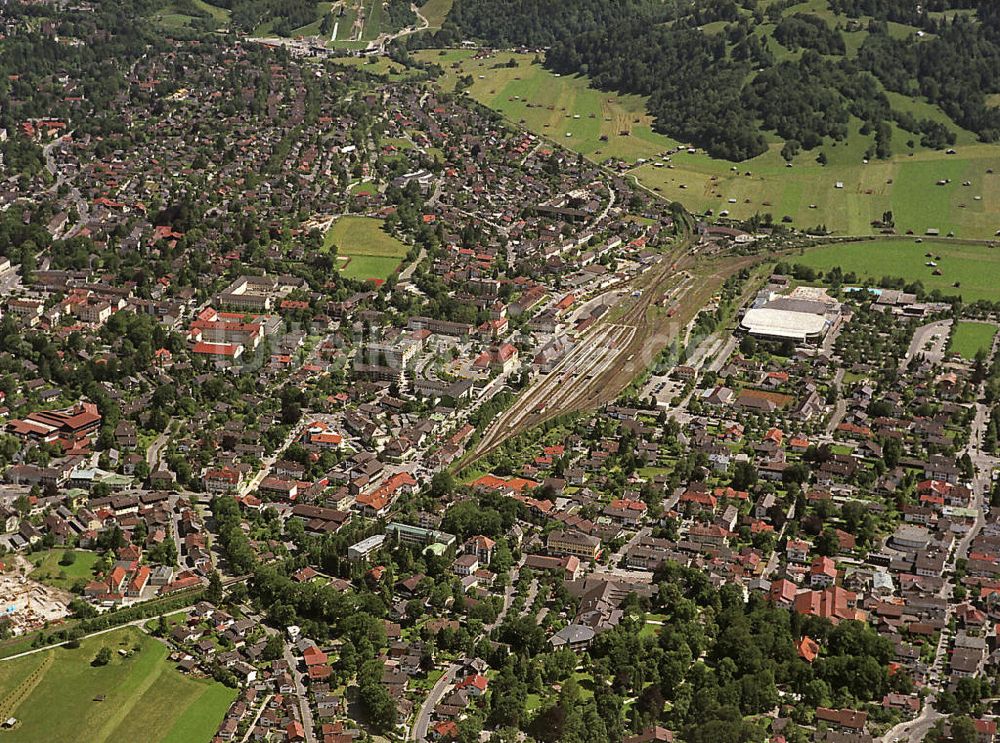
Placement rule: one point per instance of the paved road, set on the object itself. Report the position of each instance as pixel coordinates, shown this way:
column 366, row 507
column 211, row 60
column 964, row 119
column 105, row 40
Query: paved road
column 407, row 272
column 926, row 334
column 840, row 407
column 260, row 711
column 300, row 689
column 419, row 730
column 915, row 730
column 134, row 623
column 153, row 452
column 253, row 483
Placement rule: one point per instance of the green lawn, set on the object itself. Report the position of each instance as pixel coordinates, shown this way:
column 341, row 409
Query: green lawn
column 145, row 698
column 607, row 125
column 363, row 236
column 49, row 571
column 372, row 252
column 650, row 630
column 976, row 268
column 968, row 338
column 364, row 187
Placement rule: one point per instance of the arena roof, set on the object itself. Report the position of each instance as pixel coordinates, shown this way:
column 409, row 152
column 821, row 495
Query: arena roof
column 771, row 323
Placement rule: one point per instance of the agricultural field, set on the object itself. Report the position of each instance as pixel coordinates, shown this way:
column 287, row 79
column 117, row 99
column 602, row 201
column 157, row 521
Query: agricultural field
column 975, row 268
column 968, row 338
column 365, row 249
column 50, row 570
column 138, row 697
column 845, row 195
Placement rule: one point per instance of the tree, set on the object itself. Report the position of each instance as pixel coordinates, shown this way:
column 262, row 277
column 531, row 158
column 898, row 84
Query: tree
column 442, row 484
column 103, row 656
column 213, row 593
column 379, row 705
column 274, row 648
column 164, row 553
column 748, row 346
column 963, row 730
column 744, row 476
column 68, row 558
column 649, row 706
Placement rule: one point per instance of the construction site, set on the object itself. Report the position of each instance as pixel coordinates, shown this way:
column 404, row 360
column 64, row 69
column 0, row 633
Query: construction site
column 26, row 603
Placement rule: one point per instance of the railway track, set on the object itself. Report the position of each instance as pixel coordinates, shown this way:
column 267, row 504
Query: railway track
column 607, row 357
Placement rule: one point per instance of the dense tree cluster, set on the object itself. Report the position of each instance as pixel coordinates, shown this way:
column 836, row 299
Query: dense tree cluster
column 541, row 23
column 809, row 31
column 723, row 91
column 285, row 15
column 900, row 11
column 955, row 70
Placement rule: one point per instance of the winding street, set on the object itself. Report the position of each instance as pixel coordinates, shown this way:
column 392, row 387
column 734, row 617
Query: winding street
column 420, row 725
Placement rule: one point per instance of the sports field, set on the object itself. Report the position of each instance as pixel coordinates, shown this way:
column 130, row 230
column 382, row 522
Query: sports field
column 54, row 695
column 361, row 22
column 968, row 338
column 372, row 253
column 975, row 268
column 845, row 195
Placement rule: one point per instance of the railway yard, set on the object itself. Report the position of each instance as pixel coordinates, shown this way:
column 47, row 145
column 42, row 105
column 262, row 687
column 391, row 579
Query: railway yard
column 607, row 356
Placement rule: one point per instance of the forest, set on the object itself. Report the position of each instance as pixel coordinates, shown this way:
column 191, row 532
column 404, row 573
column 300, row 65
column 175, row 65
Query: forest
column 726, row 91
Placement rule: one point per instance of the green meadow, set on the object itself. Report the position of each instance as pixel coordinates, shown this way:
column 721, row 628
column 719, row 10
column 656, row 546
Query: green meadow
column 139, row 697
column 845, row 195
column 975, row 268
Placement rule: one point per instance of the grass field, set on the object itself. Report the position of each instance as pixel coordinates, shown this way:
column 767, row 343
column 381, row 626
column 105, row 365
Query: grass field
column 976, row 268
column 435, row 11
column 312, row 29
column 374, row 20
column 807, row 192
column 373, row 253
column 373, row 65
column 145, row 698
column 548, row 104
column 172, row 17
column 50, row 572
column 968, row 338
